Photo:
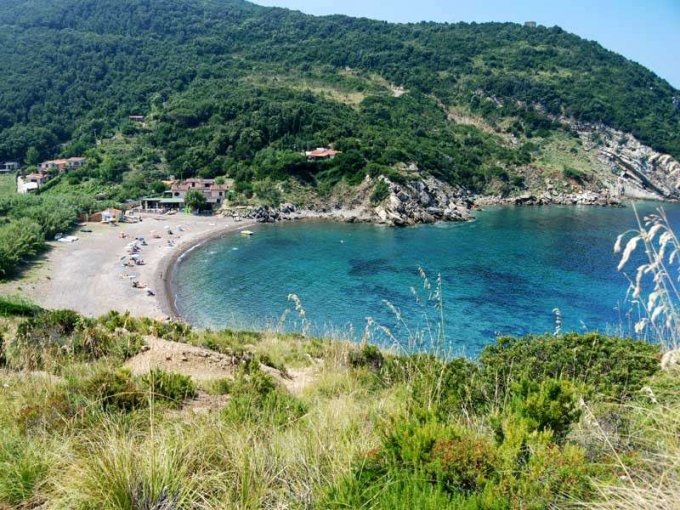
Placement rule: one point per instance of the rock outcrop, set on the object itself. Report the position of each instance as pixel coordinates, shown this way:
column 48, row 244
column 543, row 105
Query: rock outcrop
column 638, row 171
column 589, row 198
column 425, row 201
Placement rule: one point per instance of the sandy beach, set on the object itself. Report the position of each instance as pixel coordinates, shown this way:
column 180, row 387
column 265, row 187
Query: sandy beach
column 89, row 275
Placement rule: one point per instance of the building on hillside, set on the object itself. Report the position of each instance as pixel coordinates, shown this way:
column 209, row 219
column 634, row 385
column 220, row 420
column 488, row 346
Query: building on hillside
column 136, row 118
column 62, row 164
column 9, row 166
column 31, row 182
column 530, row 24
column 174, row 198
column 321, row 153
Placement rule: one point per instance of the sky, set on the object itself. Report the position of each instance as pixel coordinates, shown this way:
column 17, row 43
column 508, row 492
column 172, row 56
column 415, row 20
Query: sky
column 646, row 31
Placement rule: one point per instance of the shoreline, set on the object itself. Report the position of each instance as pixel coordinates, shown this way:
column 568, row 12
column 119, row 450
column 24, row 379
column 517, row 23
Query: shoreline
column 89, row 277
column 167, row 266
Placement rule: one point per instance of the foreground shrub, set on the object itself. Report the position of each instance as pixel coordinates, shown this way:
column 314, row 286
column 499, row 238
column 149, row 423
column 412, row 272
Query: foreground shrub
column 546, row 405
column 368, row 355
column 612, row 367
column 169, row 387
column 112, row 390
column 172, row 331
column 464, row 468
column 256, row 398
column 14, row 306
column 57, row 335
column 22, row 469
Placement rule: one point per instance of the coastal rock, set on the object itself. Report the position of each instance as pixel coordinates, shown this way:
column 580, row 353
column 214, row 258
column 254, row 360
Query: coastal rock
column 424, row 201
column 264, row 214
column 637, row 170
column 287, row 208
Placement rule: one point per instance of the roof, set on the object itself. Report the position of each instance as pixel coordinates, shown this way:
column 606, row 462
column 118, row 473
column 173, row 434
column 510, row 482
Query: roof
column 62, row 161
column 200, row 185
column 321, row 152
column 170, row 200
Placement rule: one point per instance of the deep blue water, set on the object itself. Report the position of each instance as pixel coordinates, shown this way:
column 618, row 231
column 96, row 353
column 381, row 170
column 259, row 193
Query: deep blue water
column 502, row 274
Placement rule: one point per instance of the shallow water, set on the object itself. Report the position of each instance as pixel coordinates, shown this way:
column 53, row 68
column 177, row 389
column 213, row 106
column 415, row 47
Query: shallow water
column 502, row 274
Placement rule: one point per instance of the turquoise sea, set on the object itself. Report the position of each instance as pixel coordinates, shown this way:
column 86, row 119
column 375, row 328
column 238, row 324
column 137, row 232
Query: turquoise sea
column 502, row 274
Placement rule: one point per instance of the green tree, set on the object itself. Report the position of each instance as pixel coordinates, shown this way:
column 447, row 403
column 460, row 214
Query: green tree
column 195, row 200
column 32, row 156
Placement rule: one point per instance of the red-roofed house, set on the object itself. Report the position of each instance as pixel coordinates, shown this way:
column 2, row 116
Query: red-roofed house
column 321, row 153
column 62, row 164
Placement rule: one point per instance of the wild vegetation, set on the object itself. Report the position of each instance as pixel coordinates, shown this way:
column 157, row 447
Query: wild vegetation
column 228, row 81
column 573, row 418
column 233, row 90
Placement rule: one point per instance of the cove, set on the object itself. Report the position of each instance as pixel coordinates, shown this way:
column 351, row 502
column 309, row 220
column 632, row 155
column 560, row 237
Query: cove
column 502, row 274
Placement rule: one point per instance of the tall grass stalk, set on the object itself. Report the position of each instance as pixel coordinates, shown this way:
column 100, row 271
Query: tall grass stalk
column 654, row 292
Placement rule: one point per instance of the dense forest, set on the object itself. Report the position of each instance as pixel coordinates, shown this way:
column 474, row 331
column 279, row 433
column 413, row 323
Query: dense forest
column 74, row 70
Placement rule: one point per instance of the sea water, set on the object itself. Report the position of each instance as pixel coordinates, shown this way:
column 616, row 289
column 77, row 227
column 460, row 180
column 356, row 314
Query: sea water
column 504, row 274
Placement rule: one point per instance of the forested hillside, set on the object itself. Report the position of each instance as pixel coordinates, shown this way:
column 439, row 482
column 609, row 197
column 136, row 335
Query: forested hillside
column 237, row 89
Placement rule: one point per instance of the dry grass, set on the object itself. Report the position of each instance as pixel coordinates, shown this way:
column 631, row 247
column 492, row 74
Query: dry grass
column 654, row 293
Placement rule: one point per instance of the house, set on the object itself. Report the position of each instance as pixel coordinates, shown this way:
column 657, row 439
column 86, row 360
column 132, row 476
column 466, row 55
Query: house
column 62, row 164
column 73, row 163
column 530, row 24
column 214, row 194
column 31, row 182
column 321, row 153
column 111, row 215
column 136, row 118
column 9, row 166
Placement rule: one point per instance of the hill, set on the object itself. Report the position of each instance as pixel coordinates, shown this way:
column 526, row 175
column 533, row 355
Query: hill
column 237, row 89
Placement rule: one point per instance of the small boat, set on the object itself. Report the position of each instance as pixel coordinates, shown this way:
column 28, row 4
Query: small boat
column 247, row 232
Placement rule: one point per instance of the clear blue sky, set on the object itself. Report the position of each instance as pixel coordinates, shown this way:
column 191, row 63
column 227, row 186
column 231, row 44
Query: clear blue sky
column 646, row 31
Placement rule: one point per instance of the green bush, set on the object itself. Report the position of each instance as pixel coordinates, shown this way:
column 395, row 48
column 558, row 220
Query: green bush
column 56, row 334
column 613, row 367
column 15, row 306
column 256, row 398
column 169, row 387
column 573, row 174
column 380, row 192
column 21, row 239
column 368, row 355
column 550, row 404
column 112, row 390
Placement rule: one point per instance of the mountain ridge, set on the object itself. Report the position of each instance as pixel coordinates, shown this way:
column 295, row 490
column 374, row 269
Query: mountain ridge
column 76, row 70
